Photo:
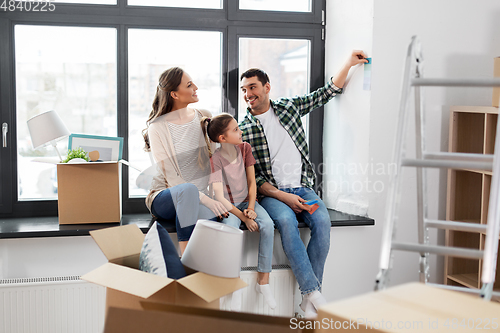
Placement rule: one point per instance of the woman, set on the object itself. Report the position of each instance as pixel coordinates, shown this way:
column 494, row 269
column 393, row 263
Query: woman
column 180, row 187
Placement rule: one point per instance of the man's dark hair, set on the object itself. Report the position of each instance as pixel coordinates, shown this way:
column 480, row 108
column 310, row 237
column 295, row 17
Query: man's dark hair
column 261, row 75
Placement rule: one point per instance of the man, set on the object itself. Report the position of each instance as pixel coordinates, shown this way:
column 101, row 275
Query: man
column 285, row 175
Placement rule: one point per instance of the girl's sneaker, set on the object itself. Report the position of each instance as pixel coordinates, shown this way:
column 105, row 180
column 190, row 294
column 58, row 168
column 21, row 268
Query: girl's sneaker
column 265, row 290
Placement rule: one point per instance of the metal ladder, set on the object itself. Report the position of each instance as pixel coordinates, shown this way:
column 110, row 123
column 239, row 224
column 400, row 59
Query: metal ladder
column 413, row 80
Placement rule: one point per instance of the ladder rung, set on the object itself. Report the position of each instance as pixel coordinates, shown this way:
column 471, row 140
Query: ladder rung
column 463, row 289
column 421, row 163
column 441, row 250
column 488, row 158
column 455, row 225
column 456, row 82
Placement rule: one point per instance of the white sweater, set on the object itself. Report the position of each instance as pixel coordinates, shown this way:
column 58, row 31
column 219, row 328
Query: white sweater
column 164, row 149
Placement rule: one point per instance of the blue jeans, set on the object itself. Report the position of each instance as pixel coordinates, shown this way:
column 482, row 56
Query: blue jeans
column 266, row 230
column 182, row 203
column 307, row 264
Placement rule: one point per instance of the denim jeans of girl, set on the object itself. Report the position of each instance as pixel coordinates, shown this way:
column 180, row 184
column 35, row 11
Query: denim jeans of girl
column 266, row 234
column 307, row 263
column 182, row 203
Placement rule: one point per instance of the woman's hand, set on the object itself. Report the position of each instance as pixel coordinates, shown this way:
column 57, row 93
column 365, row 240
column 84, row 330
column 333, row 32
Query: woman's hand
column 251, row 225
column 250, row 213
column 216, row 207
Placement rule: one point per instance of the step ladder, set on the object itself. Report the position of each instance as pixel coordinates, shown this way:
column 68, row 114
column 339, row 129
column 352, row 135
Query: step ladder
column 413, row 80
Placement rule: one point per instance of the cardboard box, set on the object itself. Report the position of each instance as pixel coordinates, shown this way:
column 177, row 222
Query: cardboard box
column 127, row 286
column 412, row 307
column 158, row 318
column 89, row 192
column 496, row 73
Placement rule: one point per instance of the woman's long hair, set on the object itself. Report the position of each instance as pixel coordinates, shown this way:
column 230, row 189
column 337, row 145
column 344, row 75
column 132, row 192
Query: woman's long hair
column 214, row 127
column 163, row 102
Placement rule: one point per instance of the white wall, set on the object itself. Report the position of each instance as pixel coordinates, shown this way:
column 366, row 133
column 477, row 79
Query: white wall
column 347, row 117
column 350, row 266
column 459, row 39
column 49, row 257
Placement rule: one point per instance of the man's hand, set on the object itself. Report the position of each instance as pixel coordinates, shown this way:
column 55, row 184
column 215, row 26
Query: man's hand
column 294, row 202
column 251, row 224
column 357, row 57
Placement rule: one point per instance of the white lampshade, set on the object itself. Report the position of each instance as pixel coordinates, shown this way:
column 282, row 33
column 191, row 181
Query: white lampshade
column 214, row 248
column 46, row 128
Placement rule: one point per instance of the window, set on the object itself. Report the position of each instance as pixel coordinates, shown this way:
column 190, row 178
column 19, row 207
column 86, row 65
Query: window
column 144, row 69
column 286, row 61
column 97, row 63
column 74, row 75
column 277, row 5
column 209, row 4
column 94, row 2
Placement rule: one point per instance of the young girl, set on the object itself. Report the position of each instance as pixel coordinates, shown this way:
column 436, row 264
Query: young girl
column 233, row 181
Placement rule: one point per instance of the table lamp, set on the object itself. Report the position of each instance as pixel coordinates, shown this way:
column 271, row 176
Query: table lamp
column 214, row 248
column 47, row 128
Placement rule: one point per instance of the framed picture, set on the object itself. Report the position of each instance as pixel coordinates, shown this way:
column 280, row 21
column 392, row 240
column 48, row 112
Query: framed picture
column 110, row 148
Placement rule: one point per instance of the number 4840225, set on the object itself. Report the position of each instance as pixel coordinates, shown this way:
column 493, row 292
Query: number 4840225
column 27, row 6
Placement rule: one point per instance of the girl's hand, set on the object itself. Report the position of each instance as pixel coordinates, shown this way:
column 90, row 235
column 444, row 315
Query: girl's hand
column 251, row 225
column 217, row 208
column 250, row 213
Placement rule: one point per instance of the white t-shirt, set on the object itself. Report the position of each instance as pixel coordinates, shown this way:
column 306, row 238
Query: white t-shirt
column 286, row 161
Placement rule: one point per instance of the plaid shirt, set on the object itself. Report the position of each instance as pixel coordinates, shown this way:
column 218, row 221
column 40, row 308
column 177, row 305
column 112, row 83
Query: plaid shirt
column 289, row 112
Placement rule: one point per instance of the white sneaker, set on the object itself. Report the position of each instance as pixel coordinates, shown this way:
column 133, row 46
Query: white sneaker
column 265, row 290
column 309, row 310
column 311, row 302
column 317, row 299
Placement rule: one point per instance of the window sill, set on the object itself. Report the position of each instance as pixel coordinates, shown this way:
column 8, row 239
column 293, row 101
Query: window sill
column 49, row 226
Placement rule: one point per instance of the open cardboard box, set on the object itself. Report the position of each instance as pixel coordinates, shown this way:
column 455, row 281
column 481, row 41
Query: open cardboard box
column 412, row 307
column 127, row 285
column 89, row 192
column 176, row 318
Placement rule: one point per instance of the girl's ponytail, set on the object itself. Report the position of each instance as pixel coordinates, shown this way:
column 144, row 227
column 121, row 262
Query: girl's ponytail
column 205, row 122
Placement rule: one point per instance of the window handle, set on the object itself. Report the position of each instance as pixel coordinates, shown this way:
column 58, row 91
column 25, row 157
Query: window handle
column 4, row 134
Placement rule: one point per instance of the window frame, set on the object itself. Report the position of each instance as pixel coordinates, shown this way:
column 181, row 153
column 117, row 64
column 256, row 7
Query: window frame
column 230, row 21
column 6, row 77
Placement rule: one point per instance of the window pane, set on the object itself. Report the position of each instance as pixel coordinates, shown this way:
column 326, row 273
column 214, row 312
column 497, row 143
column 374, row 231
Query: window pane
column 97, row 2
column 286, row 61
column 277, row 5
column 210, row 4
column 200, row 56
column 73, row 74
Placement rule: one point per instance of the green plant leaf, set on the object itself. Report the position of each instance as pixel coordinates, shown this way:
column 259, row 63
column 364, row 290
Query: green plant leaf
column 76, row 153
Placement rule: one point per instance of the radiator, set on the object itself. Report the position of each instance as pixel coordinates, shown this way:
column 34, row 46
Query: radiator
column 51, row 305
column 70, row 305
column 283, row 285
